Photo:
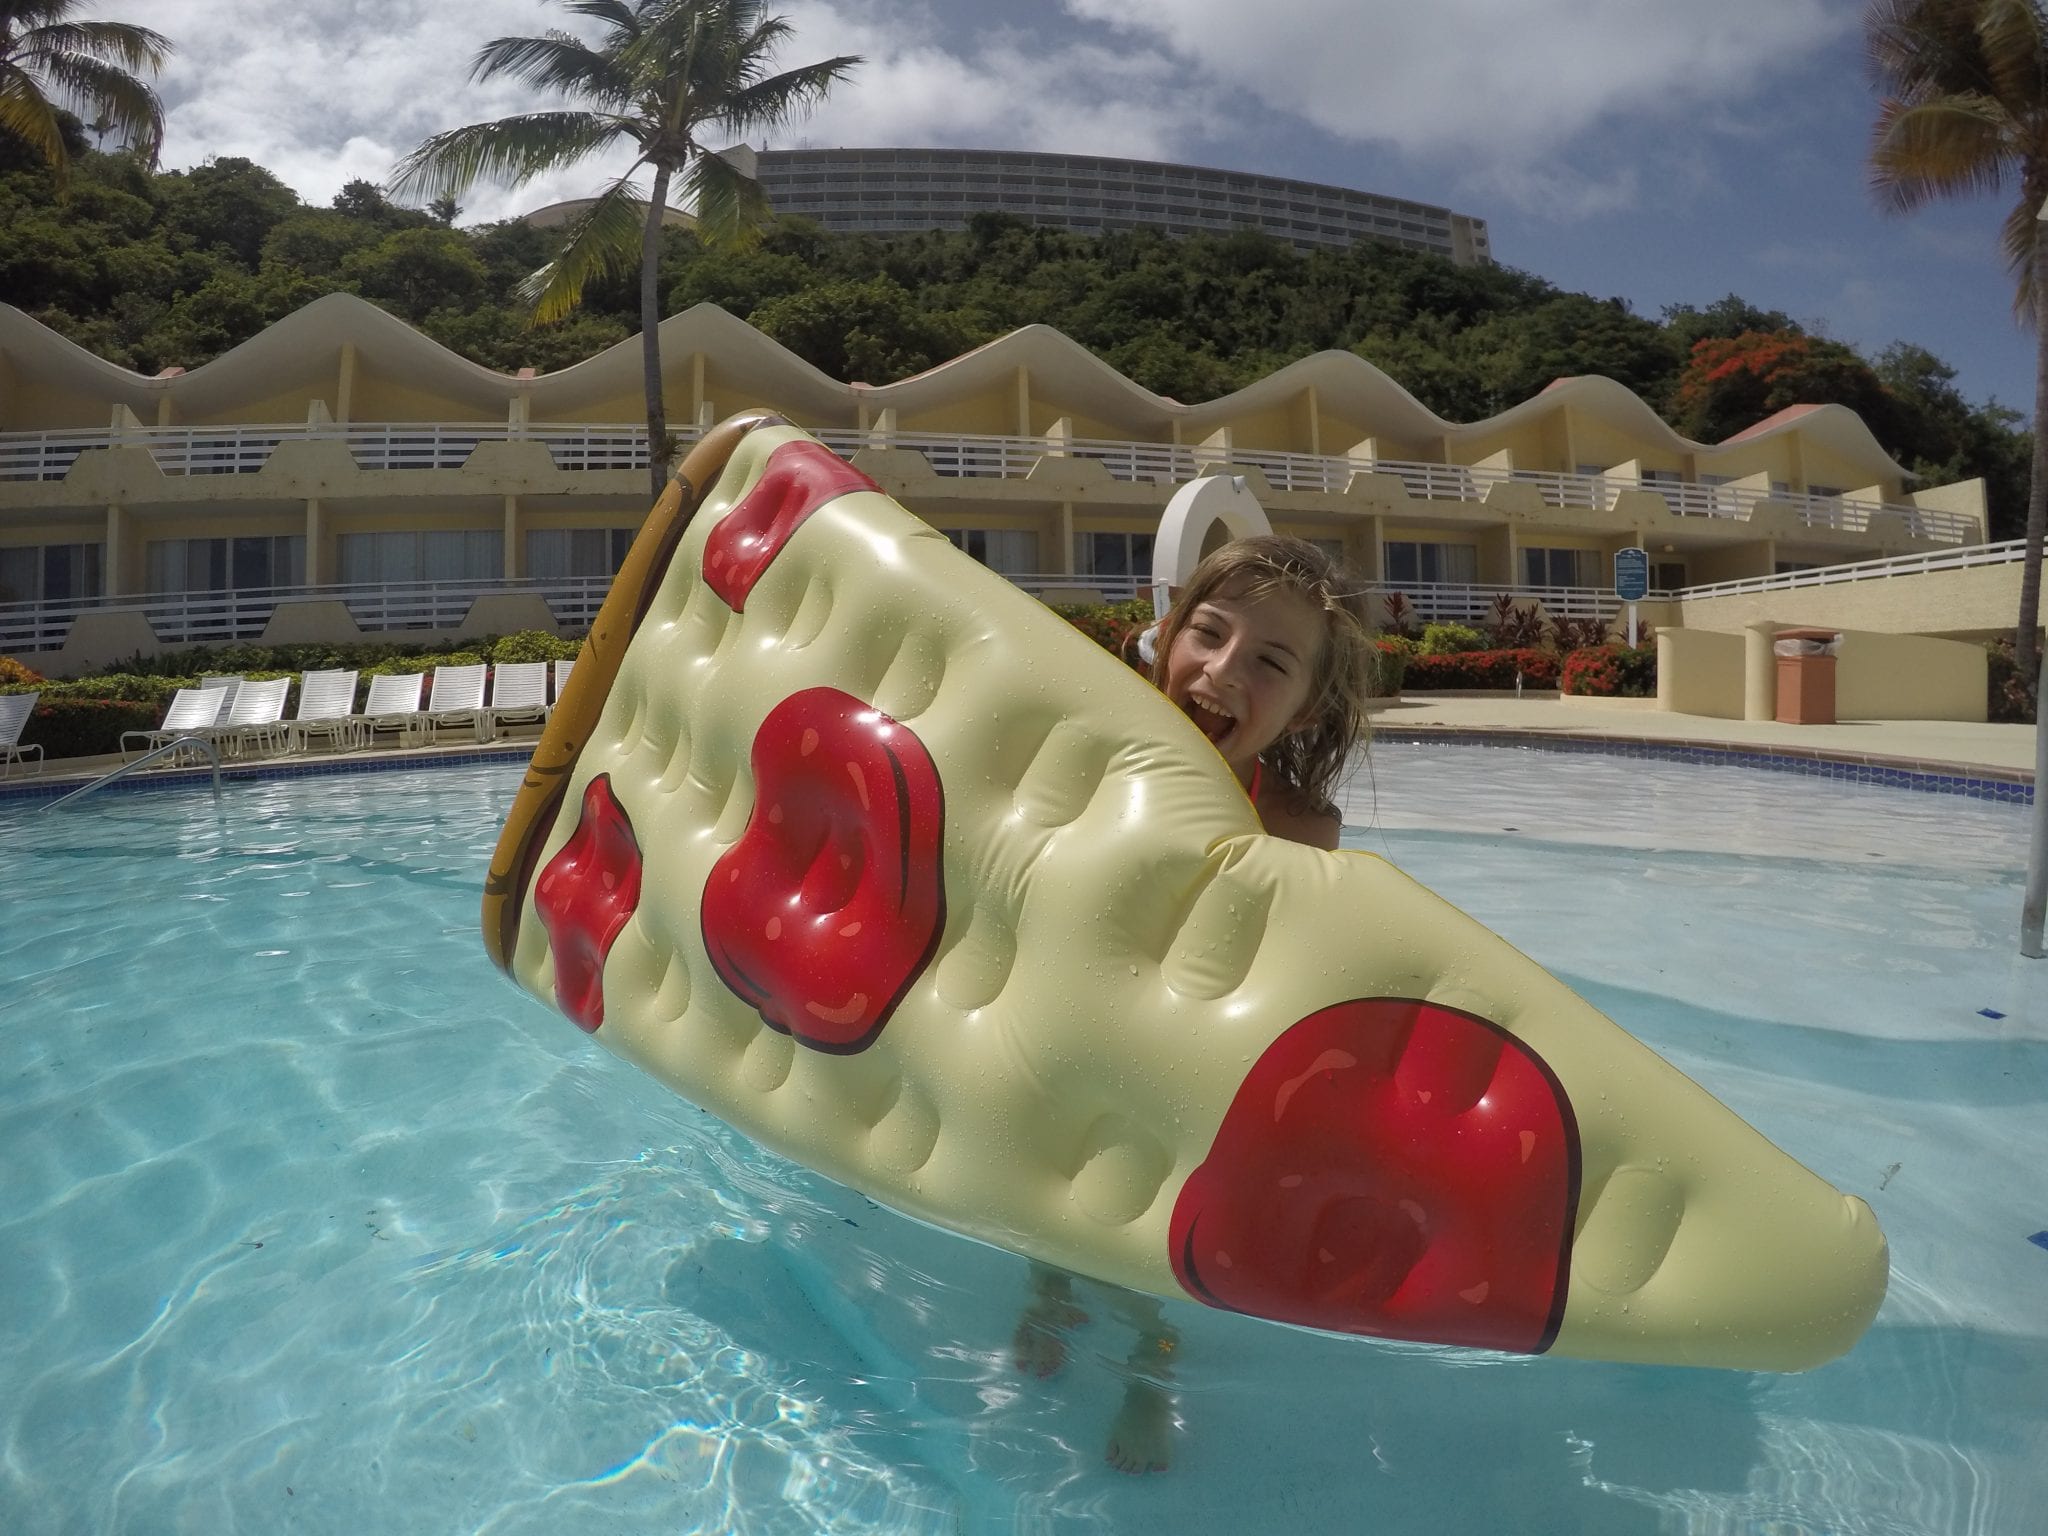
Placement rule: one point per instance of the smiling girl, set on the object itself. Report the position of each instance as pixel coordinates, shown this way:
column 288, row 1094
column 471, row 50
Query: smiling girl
column 1265, row 651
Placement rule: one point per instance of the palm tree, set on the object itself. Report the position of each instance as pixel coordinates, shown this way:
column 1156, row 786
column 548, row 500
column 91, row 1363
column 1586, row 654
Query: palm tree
column 48, row 61
column 664, row 73
column 1965, row 111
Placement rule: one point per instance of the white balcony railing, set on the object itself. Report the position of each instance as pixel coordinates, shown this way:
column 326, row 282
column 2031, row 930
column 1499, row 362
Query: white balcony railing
column 211, row 618
column 577, row 446
column 215, row 618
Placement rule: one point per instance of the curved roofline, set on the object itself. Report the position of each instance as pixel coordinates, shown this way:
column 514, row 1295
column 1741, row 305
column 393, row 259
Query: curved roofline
column 1072, row 376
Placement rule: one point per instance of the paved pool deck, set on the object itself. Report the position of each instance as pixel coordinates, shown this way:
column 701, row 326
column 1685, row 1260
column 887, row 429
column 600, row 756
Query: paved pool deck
column 2001, row 751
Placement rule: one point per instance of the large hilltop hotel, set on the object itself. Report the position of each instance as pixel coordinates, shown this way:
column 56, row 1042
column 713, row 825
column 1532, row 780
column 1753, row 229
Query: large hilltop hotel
column 890, row 191
column 341, row 456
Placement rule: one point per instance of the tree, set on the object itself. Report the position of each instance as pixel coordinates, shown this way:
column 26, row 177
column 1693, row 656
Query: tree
column 665, row 73
column 1733, row 383
column 1965, row 111
column 95, row 67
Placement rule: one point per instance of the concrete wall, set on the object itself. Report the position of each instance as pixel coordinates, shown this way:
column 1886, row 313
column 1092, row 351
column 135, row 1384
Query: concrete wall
column 1699, row 673
column 1877, row 676
column 1976, row 601
column 1909, row 677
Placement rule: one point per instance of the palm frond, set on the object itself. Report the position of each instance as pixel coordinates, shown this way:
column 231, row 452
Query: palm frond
column 511, row 149
column 623, row 20
column 110, row 92
column 2010, row 35
column 555, row 62
column 2016, row 241
column 27, row 114
column 1956, row 146
column 1916, row 48
column 602, row 240
column 730, row 207
column 113, row 42
column 774, row 102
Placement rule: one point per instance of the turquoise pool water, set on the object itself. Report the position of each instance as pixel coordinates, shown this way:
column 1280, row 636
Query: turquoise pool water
column 313, row 1223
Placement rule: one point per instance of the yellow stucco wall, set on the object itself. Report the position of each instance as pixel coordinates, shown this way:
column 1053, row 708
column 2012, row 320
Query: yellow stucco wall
column 1700, row 673
column 1909, row 677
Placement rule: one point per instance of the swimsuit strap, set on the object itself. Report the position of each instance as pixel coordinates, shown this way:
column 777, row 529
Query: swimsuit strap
column 1252, row 791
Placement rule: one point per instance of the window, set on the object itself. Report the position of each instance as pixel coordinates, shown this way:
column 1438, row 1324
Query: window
column 442, row 555
column 225, row 565
column 1113, row 554
column 50, row 573
column 1561, row 568
column 1006, row 551
column 1667, row 575
column 553, row 554
column 1452, row 564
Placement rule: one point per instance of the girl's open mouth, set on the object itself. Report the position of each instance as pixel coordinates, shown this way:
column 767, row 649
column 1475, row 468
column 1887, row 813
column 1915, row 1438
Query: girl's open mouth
column 1212, row 723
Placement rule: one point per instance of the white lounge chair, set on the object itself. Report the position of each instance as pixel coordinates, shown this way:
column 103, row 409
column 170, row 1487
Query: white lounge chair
column 327, row 707
column 254, row 722
column 193, row 712
column 519, row 692
column 393, row 705
column 457, row 699
column 15, row 709
column 226, row 683
column 562, row 676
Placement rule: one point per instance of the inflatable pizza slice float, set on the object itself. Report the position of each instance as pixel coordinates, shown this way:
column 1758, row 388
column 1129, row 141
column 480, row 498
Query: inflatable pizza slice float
column 854, row 844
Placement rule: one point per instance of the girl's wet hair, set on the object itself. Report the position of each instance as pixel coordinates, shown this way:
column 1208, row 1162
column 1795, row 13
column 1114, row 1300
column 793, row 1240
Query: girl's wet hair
column 1309, row 761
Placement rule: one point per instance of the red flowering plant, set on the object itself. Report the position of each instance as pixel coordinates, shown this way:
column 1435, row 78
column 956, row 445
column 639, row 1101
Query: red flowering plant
column 1495, row 670
column 1611, row 671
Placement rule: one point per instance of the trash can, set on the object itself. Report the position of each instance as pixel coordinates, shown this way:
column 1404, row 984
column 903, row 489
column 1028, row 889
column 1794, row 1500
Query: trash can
column 1806, row 675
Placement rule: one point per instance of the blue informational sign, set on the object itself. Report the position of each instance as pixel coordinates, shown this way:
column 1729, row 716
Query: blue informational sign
column 1631, row 574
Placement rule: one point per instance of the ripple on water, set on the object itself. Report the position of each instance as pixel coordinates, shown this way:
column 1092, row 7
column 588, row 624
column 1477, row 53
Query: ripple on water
column 313, row 1222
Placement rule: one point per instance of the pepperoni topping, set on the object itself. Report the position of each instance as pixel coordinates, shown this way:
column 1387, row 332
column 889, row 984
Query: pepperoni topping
column 584, row 896
column 1393, row 1168
column 833, row 899
column 801, row 477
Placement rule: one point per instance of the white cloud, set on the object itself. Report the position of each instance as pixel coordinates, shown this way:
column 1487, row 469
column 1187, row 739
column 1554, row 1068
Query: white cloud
column 1511, row 81
column 324, row 94
column 1534, row 102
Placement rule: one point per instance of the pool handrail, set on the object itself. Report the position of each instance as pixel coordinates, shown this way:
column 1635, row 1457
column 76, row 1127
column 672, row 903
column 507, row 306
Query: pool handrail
column 148, row 757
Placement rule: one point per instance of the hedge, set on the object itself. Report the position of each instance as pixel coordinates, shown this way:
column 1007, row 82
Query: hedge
column 85, row 716
column 1611, row 671
column 1482, row 669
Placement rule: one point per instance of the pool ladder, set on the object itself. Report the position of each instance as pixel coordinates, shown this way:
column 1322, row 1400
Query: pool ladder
column 148, row 757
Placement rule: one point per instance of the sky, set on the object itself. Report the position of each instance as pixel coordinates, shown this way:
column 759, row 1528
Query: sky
column 1661, row 151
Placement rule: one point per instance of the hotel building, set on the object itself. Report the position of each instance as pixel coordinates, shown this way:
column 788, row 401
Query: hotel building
column 341, row 460
column 889, row 191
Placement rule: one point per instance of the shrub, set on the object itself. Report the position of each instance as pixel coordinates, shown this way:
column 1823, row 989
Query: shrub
column 15, row 677
column 1386, row 664
column 1568, row 635
column 131, row 687
column 1482, row 669
column 1611, row 671
column 1113, row 626
column 87, row 727
column 1449, row 639
column 2007, row 702
column 533, row 645
column 1400, row 617
column 1510, row 627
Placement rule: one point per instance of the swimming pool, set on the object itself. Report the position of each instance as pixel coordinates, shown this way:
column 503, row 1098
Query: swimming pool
column 313, row 1222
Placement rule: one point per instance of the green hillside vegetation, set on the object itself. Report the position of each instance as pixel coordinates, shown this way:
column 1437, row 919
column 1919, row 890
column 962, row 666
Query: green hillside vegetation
column 158, row 269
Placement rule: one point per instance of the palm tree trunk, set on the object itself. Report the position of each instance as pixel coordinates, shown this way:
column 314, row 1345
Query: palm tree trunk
column 2025, row 641
column 650, row 334
column 2034, row 901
